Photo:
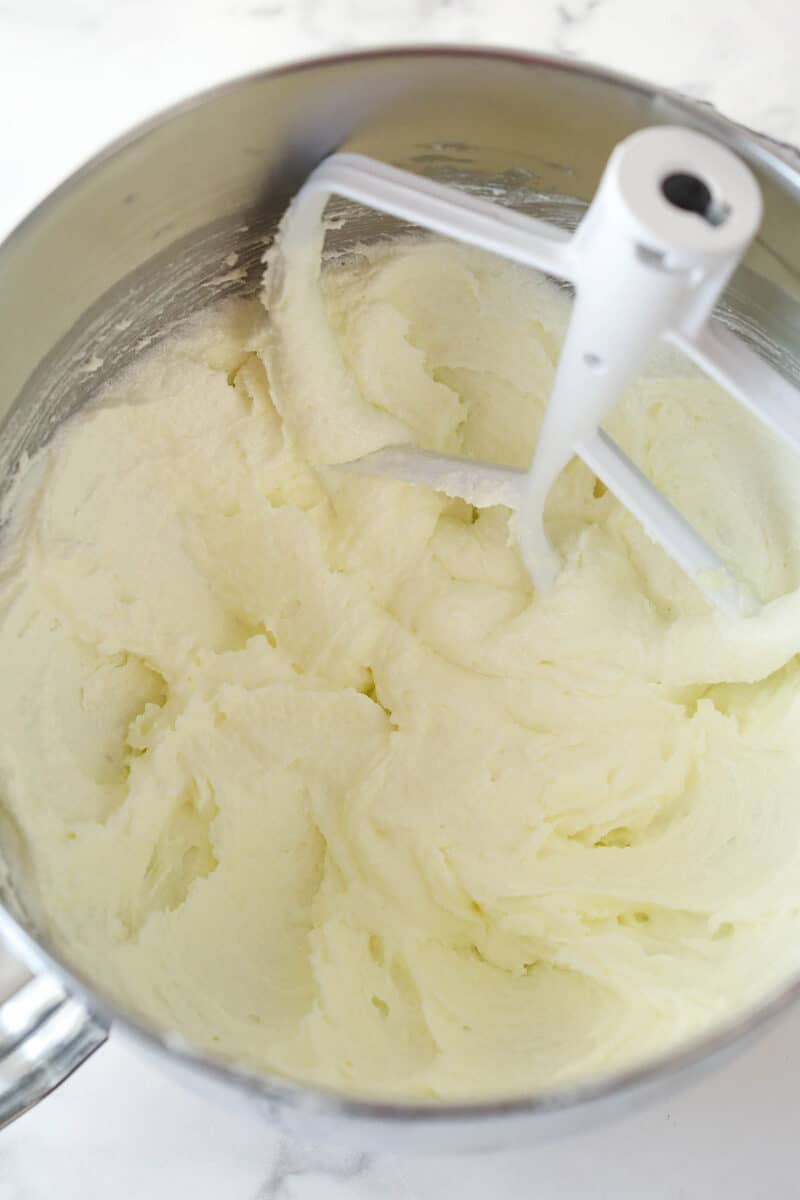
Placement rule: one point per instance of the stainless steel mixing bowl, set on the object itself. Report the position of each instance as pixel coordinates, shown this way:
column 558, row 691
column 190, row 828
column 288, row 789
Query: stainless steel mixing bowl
column 139, row 238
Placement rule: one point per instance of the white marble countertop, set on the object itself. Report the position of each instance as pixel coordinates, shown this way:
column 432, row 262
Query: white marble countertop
column 73, row 74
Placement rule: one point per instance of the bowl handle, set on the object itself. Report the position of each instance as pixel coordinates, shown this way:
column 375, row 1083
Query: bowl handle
column 45, row 1033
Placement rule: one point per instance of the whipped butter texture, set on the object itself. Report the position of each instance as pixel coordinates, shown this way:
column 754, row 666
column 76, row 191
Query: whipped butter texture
column 294, row 761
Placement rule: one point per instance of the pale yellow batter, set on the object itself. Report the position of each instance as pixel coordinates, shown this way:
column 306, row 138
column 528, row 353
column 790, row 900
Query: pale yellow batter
column 298, row 765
